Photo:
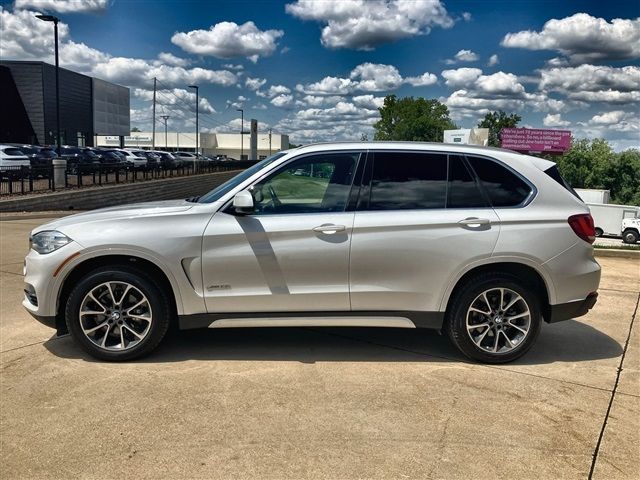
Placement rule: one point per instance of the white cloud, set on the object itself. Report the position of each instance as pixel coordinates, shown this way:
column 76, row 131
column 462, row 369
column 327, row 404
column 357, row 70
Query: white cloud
column 254, row 83
column 24, row 37
column 178, row 97
column 463, row 56
column 466, row 16
column 274, row 91
column 365, row 24
column 171, row 59
column 613, row 117
column 65, row 6
column 232, row 66
column 366, row 77
column 422, row 80
column 461, row 77
column 282, row 100
column 590, row 83
column 583, row 38
column 368, row 101
column 229, row 40
column 554, row 120
column 493, row 60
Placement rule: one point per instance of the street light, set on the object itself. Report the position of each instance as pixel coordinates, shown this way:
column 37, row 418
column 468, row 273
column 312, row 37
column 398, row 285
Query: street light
column 197, row 129
column 165, row 118
column 55, row 20
column 241, row 131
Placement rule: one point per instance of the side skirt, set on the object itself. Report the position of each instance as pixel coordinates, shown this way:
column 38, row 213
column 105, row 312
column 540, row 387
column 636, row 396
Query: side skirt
column 389, row 319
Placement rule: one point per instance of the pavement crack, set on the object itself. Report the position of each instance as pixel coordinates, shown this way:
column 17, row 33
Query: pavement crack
column 596, row 451
column 11, row 273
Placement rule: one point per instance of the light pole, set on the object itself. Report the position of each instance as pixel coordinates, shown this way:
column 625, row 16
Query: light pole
column 55, row 20
column 165, row 118
column 197, row 111
column 241, row 131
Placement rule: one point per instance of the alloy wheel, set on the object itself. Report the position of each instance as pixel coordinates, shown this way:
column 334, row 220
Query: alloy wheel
column 115, row 316
column 498, row 320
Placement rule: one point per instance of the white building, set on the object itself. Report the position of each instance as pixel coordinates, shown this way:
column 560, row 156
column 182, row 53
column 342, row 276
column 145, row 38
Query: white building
column 229, row 144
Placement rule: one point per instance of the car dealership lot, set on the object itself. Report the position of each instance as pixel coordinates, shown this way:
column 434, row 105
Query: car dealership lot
column 309, row 403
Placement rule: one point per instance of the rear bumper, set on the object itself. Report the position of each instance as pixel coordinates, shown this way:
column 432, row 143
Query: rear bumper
column 566, row 311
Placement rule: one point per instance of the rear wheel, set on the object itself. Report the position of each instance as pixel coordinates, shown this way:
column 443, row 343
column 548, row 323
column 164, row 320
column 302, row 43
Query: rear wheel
column 599, row 232
column 494, row 318
column 117, row 313
column 630, row 236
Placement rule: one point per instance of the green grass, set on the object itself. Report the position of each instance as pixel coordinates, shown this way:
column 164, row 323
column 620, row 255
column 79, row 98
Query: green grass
column 618, row 247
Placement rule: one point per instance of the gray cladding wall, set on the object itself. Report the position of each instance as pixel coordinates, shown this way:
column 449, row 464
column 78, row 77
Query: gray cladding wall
column 111, row 112
column 28, row 79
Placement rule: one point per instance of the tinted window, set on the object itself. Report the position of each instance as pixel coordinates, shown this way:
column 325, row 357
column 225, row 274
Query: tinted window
column 318, row 183
column 505, row 188
column 14, row 152
column 555, row 174
column 463, row 191
column 408, row 181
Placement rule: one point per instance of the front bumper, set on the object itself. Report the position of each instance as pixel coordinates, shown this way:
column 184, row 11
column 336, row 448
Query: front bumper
column 566, row 311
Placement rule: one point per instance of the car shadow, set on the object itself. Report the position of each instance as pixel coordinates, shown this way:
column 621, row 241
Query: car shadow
column 569, row 341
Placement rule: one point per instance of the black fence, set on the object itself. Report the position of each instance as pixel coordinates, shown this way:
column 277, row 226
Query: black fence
column 24, row 180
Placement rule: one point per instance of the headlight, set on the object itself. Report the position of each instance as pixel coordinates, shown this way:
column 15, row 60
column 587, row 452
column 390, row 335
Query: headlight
column 47, row 242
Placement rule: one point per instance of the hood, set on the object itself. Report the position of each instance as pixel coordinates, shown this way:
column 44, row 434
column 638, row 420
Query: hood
column 118, row 213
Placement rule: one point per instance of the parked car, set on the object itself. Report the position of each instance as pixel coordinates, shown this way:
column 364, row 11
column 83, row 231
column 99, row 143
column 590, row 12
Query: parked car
column 483, row 244
column 38, row 156
column 153, row 160
column 79, row 157
column 113, row 159
column 167, row 160
column 11, row 156
column 134, row 158
column 185, row 159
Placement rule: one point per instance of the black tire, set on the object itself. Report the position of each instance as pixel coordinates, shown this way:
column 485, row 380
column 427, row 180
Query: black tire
column 456, row 317
column 599, row 232
column 160, row 306
column 630, row 236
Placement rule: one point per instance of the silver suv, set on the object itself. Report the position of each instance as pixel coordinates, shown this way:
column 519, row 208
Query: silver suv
column 483, row 244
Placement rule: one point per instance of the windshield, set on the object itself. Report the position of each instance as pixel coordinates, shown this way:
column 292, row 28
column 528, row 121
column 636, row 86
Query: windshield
column 229, row 185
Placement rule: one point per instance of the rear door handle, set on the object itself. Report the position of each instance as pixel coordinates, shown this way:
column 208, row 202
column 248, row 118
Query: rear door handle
column 329, row 229
column 474, row 222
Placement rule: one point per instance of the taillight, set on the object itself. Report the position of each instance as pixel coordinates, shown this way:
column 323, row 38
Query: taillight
column 583, row 226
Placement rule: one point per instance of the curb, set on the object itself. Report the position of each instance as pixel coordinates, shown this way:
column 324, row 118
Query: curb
column 617, row 253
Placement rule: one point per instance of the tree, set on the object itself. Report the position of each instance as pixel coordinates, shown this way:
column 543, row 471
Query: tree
column 594, row 164
column 364, row 137
column 135, row 129
column 412, row 119
column 495, row 122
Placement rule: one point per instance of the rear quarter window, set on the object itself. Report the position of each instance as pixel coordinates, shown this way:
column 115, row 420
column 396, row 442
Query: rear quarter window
column 504, row 187
column 13, row 152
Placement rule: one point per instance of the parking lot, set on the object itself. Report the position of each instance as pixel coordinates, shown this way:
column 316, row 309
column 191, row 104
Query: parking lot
column 322, row 403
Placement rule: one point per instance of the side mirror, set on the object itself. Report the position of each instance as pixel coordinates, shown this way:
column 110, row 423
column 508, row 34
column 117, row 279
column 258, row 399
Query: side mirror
column 243, row 202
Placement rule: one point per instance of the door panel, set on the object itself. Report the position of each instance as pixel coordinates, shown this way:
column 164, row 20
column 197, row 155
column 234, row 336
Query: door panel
column 404, row 260
column 277, row 263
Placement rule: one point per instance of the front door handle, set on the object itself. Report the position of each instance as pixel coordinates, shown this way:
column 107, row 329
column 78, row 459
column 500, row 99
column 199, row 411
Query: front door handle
column 329, row 229
column 474, row 222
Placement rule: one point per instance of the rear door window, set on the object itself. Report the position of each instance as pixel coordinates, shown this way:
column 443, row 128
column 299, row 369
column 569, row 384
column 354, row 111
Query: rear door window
column 13, row 152
column 408, row 181
column 463, row 189
column 504, row 187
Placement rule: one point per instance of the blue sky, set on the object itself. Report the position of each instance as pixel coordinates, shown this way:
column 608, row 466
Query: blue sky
column 318, row 69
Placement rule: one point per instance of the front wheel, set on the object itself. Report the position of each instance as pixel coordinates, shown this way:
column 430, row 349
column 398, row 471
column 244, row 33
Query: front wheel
column 494, row 318
column 117, row 313
column 630, row 236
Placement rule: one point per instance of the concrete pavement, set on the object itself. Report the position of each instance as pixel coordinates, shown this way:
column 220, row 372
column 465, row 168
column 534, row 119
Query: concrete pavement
column 321, row 403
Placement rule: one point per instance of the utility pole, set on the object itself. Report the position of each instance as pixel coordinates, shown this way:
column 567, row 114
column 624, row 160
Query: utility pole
column 269, row 142
column 165, row 117
column 153, row 128
column 55, row 20
column 241, row 131
column 197, row 111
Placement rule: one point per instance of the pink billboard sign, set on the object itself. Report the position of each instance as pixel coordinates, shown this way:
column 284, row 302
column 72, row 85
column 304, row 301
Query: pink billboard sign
column 536, row 140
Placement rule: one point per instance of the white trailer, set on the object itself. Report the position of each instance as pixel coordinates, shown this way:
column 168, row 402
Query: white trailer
column 592, row 195
column 608, row 217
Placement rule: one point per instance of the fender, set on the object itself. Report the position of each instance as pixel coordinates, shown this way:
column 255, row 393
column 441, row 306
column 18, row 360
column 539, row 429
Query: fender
column 535, row 265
